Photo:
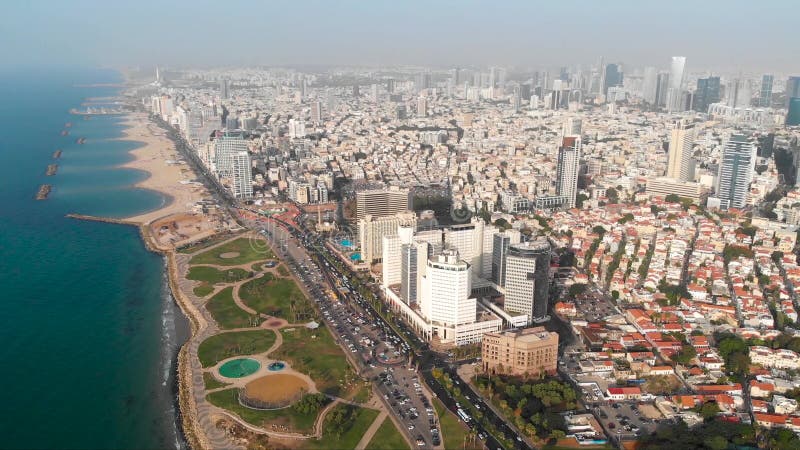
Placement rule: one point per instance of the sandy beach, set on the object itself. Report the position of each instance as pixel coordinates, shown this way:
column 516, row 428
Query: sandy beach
column 157, row 156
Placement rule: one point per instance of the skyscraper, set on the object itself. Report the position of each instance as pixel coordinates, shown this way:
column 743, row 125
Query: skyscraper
column 792, row 89
column 382, row 202
column 422, row 106
column 662, row 87
column 680, row 151
column 242, row 175
column 225, row 148
column 569, row 156
column 613, row 77
column 414, row 260
column 793, row 113
column 528, row 278
column 224, row 89
column 446, row 290
column 735, row 172
column 501, row 242
column 707, row 92
column 316, row 112
column 676, row 78
column 765, row 99
column 649, row 85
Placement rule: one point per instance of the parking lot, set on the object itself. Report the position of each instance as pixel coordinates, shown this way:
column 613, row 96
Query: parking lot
column 593, row 305
column 624, row 421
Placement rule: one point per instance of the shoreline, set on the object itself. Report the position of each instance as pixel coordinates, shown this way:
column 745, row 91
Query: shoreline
column 151, row 157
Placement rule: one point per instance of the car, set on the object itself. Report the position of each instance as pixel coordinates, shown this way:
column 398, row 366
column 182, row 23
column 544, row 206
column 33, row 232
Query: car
column 411, row 426
column 611, row 425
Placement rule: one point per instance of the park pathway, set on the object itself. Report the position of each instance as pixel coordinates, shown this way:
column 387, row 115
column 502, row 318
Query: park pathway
column 370, row 433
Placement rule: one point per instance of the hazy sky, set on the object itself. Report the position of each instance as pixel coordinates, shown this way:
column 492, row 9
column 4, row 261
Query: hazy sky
column 758, row 35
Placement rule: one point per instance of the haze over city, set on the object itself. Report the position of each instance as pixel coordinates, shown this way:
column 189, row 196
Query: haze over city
column 714, row 35
column 383, row 225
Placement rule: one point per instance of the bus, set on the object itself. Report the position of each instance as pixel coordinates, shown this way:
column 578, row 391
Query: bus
column 463, row 415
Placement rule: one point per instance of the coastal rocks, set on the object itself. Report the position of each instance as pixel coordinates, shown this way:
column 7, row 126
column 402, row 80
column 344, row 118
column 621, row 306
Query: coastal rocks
column 44, row 191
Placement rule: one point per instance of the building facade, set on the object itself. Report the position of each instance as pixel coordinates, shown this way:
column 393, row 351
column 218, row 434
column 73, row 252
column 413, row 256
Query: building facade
column 526, row 352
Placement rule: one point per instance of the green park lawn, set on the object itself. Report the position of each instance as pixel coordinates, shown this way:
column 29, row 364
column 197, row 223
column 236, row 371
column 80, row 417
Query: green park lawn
column 249, row 250
column 276, row 297
column 282, row 270
column 453, row 432
column 203, row 290
column 225, row 311
column 221, row 346
column 387, row 437
column 211, row 275
column 211, row 382
column 349, row 434
column 314, row 353
column 296, row 421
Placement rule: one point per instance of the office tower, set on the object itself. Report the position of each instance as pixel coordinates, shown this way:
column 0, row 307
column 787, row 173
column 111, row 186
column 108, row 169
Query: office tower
column 297, row 128
column 390, row 255
column 735, row 172
column 224, row 89
column 707, row 92
column 422, row 106
column 569, row 156
column 676, row 78
column 372, row 229
column 572, row 127
column 383, row 202
column 467, row 238
column 793, row 113
column 613, row 77
column 374, row 92
column 423, row 81
column 414, row 260
column 765, row 98
column 242, row 175
column 486, row 251
column 662, row 87
column 680, row 151
column 649, row 85
column 316, row 112
column 400, row 112
column 356, row 91
column 744, row 94
column 500, row 245
column 446, row 291
column 527, row 279
column 525, row 92
column 225, row 148
column 525, row 352
column 792, row 89
column 601, row 69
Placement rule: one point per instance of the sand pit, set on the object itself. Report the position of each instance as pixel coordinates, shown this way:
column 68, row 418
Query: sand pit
column 229, row 255
column 275, row 391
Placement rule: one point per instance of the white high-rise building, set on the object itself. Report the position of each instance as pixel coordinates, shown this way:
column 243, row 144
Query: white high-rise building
column 676, row 79
column 680, row 151
column 446, row 291
column 572, row 127
column 422, row 106
column 297, row 128
column 391, row 260
column 468, row 240
column 242, row 175
column 316, row 112
column 413, row 265
column 372, row 230
column 225, row 148
column 569, row 156
column 735, row 172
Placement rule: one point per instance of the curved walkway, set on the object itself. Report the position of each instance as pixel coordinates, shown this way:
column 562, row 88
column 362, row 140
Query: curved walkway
column 207, row 413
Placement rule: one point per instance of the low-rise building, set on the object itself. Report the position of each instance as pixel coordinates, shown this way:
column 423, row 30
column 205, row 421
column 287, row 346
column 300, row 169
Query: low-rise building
column 527, row 352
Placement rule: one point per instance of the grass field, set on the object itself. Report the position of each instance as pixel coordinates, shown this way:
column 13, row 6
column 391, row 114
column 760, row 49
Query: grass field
column 225, row 311
column 276, row 297
column 248, row 250
column 297, row 422
column 350, row 435
column 314, row 353
column 193, row 248
column 388, row 437
column 203, row 290
column 453, row 431
column 211, row 382
column 213, row 276
column 282, row 270
column 221, row 346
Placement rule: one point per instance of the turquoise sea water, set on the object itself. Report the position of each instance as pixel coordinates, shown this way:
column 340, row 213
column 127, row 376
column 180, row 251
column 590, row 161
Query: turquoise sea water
column 88, row 331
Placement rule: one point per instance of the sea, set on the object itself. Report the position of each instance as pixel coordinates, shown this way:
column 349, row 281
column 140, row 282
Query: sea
column 89, row 332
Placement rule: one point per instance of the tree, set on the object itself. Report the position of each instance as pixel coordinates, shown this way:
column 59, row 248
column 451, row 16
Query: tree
column 685, row 355
column 612, row 194
column 577, row 289
column 708, row 410
column 579, row 199
column 598, row 229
